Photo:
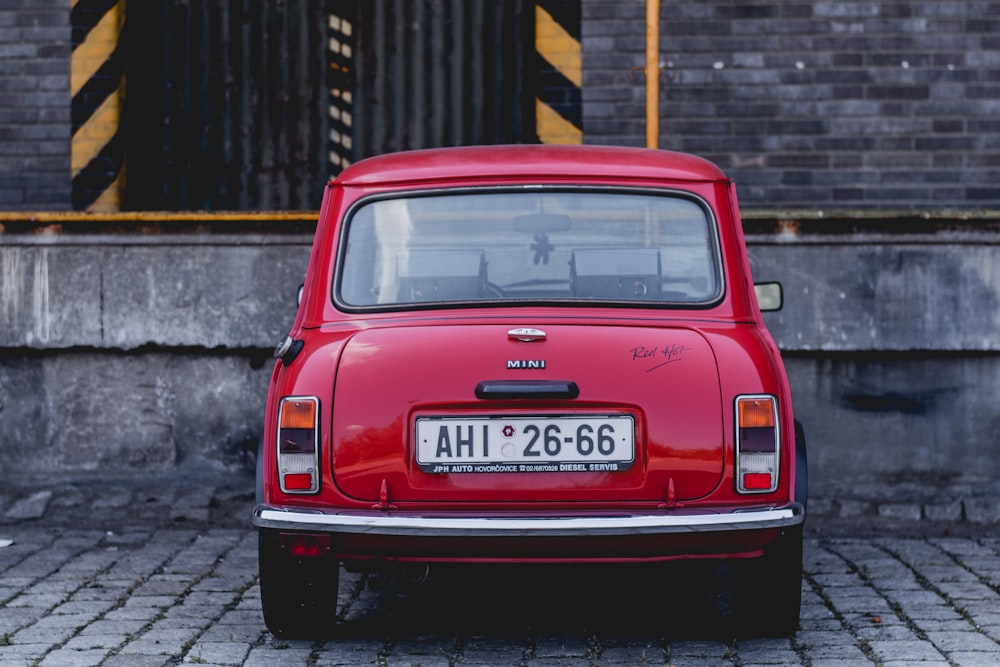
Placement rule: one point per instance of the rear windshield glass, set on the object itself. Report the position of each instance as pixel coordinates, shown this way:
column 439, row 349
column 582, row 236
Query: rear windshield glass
column 529, row 246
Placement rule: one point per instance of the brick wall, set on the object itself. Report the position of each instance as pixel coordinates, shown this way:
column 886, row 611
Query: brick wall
column 807, row 104
column 34, row 105
column 812, row 104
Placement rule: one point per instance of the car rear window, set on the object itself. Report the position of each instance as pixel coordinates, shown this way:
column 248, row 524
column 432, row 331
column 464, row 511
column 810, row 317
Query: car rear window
column 529, row 246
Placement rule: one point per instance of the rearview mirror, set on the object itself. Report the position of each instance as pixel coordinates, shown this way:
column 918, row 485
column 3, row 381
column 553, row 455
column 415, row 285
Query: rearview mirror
column 769, row 296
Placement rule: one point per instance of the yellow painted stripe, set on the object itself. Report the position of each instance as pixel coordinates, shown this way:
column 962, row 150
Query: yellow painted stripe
column 111, row 199
column 95, row 50
column 553, row 128
column 95, row 134
column 70, row 217
column 558, row 47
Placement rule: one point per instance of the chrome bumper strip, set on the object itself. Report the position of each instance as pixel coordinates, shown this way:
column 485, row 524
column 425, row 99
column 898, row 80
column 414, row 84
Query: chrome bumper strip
column 398, row 524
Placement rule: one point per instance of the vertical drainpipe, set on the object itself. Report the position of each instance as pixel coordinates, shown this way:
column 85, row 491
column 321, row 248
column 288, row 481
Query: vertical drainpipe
column 652, row 73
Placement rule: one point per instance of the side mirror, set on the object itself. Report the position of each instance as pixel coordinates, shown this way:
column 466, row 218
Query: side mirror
column 769, row 297
column 298, row 295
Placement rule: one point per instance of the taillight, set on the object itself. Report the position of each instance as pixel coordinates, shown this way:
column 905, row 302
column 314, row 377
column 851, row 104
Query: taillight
column 758, row 446
column 298, row 444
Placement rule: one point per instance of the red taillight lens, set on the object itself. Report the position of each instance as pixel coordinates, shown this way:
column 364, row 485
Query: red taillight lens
column 298, row 444
column 305, row 545
column 757, row 481
column 757, row 444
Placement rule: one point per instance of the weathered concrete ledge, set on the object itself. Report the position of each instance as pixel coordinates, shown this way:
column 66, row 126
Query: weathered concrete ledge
column 141, row 342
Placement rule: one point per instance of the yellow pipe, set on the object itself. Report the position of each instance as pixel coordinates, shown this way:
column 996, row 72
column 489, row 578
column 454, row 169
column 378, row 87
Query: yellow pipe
column 157, row 216
column 652, row 73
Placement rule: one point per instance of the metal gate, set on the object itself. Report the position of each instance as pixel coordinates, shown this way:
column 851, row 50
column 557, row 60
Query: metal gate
column 442, row 73
column 248, row 104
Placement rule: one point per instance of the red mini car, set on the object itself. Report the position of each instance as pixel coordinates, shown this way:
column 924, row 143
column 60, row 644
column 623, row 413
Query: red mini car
column 529, row 354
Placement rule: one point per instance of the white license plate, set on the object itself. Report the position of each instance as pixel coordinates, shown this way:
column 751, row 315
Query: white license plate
column 525, row 444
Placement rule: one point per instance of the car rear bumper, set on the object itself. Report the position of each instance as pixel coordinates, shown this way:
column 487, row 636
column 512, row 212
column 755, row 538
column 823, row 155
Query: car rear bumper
column 399, row 524
column 590, row 537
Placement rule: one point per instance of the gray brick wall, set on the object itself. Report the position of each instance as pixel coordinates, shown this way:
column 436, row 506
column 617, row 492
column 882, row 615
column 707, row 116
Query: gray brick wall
column 807, row 104
column 811, row 104
column 34, row 105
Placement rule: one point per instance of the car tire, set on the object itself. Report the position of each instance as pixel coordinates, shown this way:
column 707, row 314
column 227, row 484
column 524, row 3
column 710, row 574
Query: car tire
column 768, row 594
column 801, row 467
column 298, row 595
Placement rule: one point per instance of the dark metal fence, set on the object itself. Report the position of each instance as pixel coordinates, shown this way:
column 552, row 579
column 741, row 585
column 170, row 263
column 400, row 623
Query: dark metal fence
column 229, row 103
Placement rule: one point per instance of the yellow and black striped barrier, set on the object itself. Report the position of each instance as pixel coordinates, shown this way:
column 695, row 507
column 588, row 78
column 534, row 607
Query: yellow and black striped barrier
column 558, row 104
column 97, row 84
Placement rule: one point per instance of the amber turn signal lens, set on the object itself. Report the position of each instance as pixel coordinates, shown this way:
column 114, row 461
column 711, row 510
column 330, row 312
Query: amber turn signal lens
column 756, row 413
column 298, row 414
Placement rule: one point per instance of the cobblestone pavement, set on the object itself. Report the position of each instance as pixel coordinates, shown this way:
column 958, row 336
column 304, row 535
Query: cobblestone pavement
column 155, row 574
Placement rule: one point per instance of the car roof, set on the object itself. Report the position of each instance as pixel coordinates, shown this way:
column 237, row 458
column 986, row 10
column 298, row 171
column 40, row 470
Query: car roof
column 520, row 162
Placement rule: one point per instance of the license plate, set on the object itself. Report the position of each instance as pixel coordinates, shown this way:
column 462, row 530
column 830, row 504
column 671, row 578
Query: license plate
column 525, row 444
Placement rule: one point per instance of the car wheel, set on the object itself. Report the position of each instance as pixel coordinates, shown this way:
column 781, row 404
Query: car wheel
column 768, row 591
column 801, row 466
column 298, row 595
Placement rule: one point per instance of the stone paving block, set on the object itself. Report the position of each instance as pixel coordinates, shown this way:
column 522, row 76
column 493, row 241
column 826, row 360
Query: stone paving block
column 244, row 632
column 477, row 659
column 983, row 509
column 161, row 585
column 548, row 648
column 35, row 635
column 30, row 507
column 887, row 630
column 137, row 660
column 966, row 590
column 950, row 642
column 218, row 653
column 842, row 651
column 975, row 658
column 107, row 627
column 903, row 511
column 682, row 661
column 905, row 651
column 287, row 657
column 80, row 607
column 71, row 658
column 29, row 653
column 85, row 642
column 849, row 509
column 165, row 641
column 951, row 511
column 627, row 655
column 126, row 613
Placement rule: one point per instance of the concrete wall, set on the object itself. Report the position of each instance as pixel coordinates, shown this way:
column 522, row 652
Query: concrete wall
column 891, row 342
column 140, row 351
column 137, row 352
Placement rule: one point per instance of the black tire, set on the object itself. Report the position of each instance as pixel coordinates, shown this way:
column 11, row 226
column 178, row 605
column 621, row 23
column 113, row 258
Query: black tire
column 298, row 595
column 259, row 474
column 801, row 467
column 768, row 590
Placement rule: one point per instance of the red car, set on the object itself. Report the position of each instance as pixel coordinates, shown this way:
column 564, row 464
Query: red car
column 529, row 354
